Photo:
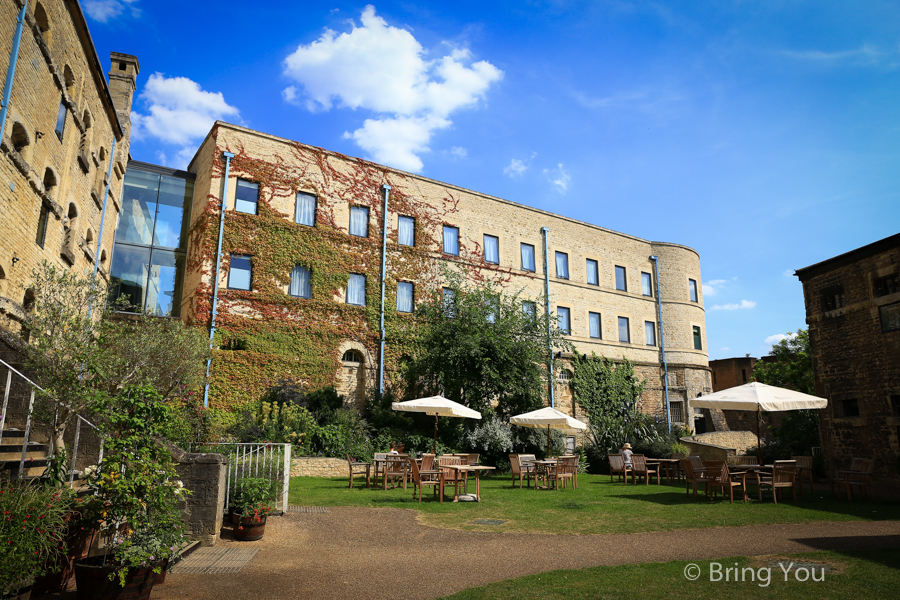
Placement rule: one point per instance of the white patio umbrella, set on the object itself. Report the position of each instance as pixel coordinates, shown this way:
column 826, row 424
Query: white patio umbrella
column 439, row 407
column 549, row 418
column 759, row 397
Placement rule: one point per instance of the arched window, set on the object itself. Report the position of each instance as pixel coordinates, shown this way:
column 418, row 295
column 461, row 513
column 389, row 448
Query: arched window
column 69, row 80
column 102, row 154
column 49, row 181
column 351, row 356
column 89, row 237
column 103, row 256
column 73, row 211
column 28, row 300
column 2, row 279
column 20, row 141
column 565, row 376
column 86, row 117
column 43, row 21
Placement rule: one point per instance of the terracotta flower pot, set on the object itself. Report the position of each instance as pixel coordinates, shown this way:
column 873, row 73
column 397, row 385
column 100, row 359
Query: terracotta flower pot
column 93, row 583
column 248, row 529
column 78, row 541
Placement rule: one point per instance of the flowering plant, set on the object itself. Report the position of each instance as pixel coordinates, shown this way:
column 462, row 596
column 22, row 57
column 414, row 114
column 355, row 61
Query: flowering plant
column 32, row 530
column 254, row 497
column 135, row 488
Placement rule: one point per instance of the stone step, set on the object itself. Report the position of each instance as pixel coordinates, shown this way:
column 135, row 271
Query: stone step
column 12, row 436
column 33, row 467
column 14, row 451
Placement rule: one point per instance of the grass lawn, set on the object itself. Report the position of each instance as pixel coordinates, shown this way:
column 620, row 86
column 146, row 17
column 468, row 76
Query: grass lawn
column 597, row 506
column 864, row 574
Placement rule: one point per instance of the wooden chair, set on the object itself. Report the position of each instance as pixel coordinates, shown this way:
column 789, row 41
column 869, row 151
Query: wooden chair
column 574, row 461
column 742, row 460
column 693, row 477
column 474, row 458
column 617, row 465
column 564, row 471
column 836, row 480
column 520, row 471
column 719, row 477
column 860, row 478
column 804, row 469
column 450, row 475
column 379, row 466
column 642, row 469
column 697, row 463
column 426, row 477
column 358, row 468
column 395, row 467
column 783, row 475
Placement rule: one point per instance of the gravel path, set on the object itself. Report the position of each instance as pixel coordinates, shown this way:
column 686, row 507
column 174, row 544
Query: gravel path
column 371, row 553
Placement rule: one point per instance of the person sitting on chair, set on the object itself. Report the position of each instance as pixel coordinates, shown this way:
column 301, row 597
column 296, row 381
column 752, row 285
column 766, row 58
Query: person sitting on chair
column 393, row 449
column 626, row 453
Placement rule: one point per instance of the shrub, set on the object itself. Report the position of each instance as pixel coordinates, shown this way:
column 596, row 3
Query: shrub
column 254, row 496
column 492, row 438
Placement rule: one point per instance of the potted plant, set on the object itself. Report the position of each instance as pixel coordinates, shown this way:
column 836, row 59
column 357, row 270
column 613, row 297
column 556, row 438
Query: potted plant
column 32, row 525
column 133, row 501
column 252, row 501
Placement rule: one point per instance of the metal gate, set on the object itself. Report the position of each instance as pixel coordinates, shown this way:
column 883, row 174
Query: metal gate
column 264, row 460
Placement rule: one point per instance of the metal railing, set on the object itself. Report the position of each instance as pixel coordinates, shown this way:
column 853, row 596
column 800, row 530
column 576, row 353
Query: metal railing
column 259, row 459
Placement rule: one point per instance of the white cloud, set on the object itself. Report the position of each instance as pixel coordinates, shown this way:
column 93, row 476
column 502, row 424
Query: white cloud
column 104, row 10
column 865, row 54
column 515, row 168
column 178, row 112
column 745, row 304
column 458, row 152
column 380, row 68
column 711, row 288
column 774, row 339
column 559, row 178
column 788, row 273
column 725, row 349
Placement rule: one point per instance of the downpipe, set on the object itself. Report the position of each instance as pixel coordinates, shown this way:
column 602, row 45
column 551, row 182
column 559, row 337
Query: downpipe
column 662, row 345
column 384, row 224
column 11, row 71
column 545, row 231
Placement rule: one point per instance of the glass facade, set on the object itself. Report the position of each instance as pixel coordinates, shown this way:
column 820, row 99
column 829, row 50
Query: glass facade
column 151, row 239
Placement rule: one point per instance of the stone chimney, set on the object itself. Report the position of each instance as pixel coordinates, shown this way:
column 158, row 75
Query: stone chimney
column 122, row 84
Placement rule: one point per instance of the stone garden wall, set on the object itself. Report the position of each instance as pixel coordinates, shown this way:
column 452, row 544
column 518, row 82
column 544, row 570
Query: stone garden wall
column 202, row 509
column 317, row 466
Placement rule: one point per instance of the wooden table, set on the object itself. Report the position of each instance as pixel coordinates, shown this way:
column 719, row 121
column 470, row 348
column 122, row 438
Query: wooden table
column 477, row 469
column 668, row 463
column 543, row 466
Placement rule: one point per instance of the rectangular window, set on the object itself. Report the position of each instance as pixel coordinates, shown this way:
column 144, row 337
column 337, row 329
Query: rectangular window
column 676, row 413
column 620, row 279
column 491, row 306
column 356, row 290
column 562, row 265
column 301, row 286
column 359, row 221
column 562, row 319
column 449, row 302
column 528, row 257
column 451, row 240
column 743, row 375
column 593, row 272
column 890, row 317
column 529, row 308
column 833, row 298
column 887, row 285
column 594, row 324
column 623, row 330
column 61, row 120
column 850, row 408
column 491, row 249
column 692, row 288
column 698, row 343
column 404, row 296
column 406, row 231
column 246, row 197
column 646, row 284
column 305, row 212
column 41, row 236
column 650, row 333
column 239, row 273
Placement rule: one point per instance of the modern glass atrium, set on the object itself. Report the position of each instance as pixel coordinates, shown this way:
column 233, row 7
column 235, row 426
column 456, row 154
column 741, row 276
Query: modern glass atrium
column 151, row 239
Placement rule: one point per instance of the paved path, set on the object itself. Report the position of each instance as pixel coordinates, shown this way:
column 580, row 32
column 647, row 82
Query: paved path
column 371, row 553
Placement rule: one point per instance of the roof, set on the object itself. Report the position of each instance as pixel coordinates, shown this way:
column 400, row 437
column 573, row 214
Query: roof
column 848, row 258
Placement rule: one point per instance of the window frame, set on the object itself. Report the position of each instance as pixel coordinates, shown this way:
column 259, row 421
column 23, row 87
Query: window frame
column 645, row 276
column 448, row 298
column 533, row 268
column 62, row 115
column 237, row 186
column 315, row 200
column 568, row 312
column 529, row 309
column 565, row 255
column 624, row 271
column 356, row 208
column 697, row 335
column 627, row 323
column 231, row 268
column 599, row 335
column 413, row 220
column 596, row 271
column 350, row 278
column 412, row 297
column 40, row 237
column 496, row 241
column 650, row 330
column 693, row 292
column 444, row 240
column 309, row 272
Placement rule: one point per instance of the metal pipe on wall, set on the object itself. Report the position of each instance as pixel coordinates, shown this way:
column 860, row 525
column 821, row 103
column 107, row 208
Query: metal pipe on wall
column 384, row 218
column 545, row 231
column 662, row 345
column 215, row 280
column 11, row 70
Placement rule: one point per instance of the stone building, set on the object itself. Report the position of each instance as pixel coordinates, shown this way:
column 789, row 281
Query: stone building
column 66, row 129
column 853, row 312
column 299, row 289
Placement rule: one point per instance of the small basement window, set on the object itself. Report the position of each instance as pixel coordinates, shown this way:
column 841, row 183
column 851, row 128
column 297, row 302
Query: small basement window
column 351, row 356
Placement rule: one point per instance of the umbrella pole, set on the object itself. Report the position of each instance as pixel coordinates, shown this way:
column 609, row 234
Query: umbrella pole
column 434, row 448
column 548, row 442
column 758, row 443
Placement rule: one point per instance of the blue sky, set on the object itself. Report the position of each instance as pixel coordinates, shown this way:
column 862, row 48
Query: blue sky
column 766, row 135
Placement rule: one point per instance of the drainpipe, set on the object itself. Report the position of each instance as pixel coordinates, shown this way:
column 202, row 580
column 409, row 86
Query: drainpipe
column 662, row 346
column 215, row 300
column 546, row 232
column 112, row 153
column 384, row 224
column 11, row 71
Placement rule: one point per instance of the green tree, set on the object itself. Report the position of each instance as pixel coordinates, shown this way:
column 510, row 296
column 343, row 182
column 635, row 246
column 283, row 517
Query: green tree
column 481, row 345
column 608, row 392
